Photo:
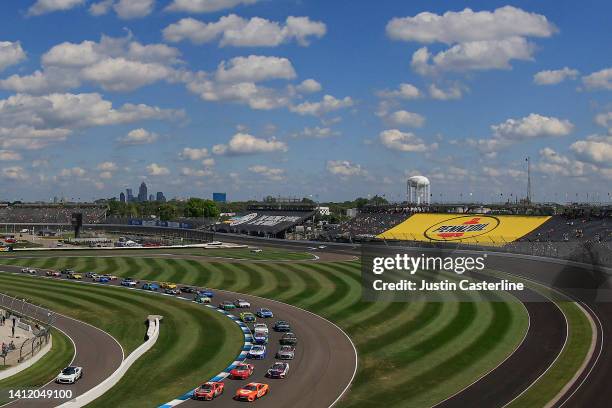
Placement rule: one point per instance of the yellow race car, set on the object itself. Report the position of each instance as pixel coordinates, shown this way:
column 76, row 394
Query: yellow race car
column 167, row 285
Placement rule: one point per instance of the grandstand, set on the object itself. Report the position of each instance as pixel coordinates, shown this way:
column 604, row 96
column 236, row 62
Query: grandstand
column 51, row 213
column 269, row 219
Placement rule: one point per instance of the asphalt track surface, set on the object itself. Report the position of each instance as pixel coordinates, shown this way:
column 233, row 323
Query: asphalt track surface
column 95, row 350
column 324, row 365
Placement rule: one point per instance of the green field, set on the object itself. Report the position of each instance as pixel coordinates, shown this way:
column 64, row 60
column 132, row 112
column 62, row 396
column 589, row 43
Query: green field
column 433, row 349
column 184, row 355
column 43, row 370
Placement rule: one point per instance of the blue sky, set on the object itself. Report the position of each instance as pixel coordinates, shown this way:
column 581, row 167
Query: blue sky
column 298, row 98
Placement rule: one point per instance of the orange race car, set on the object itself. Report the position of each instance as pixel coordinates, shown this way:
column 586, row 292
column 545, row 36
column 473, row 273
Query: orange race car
column 208, row 391
column 252, row 391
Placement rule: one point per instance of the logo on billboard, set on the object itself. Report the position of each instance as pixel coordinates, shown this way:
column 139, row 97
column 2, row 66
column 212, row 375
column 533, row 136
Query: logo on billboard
column 458, row 228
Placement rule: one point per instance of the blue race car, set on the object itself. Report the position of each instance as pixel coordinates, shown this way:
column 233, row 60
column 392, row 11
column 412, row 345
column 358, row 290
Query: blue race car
column 206, row 293
column 260, row 337
column 257, row 352
column 150, row 286
column 264, row 313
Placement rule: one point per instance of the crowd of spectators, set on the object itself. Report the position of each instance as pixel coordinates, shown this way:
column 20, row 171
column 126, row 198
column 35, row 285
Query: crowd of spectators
column 52, row 214
column 573, row 229
column 368, row 225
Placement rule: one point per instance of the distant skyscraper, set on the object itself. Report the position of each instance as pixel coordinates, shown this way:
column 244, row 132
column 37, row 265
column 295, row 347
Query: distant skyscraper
column 219, row 197
column 122, row 197
column 160, row 197
column 151, row 197
column 130, row 195
column 142, row 192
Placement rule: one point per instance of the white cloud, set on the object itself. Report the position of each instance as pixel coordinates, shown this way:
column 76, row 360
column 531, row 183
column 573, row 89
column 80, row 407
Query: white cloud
column 600, row 80
column 27, row 137
column 532, row 126
column 468, row 25
column 553, row 77
column 236, row 31
column 309, row 86
column 345, row 168
column 270, row 173
column 155, row 169
column 479, row 40
column 210, row 162
column 455, row 91
column 243, row 143
column 317, row 132
column 205, row 6
column 100, row 8
column 49, row 6
column 106, row 175
column 11, row 53
column 604, row 120
column 405, row 118
column 128, row 9
column 395, row 139
column 255, row 68
column 51, row 80
column 14, row 173
column 9, row 155
column 191, row 153
column 138, row 136
column 107, row 166
column 596, row 150
column 73, row 172
column 554, row 164
column 328, row 104
column 405, row 91
column 119, row 74
column 190, row 172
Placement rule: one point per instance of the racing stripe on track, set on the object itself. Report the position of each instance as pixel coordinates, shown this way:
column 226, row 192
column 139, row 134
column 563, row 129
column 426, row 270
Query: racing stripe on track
column 248, row 343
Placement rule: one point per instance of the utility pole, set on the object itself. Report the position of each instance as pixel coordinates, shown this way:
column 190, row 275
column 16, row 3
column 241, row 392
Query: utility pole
column 528, row 180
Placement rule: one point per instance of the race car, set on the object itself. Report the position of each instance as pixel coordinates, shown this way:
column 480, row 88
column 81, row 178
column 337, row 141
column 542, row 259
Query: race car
column 201, row 299
column 111, row 277
column 206, row 292
column 29, row 270
column 208, row 391
column 241, row 303
column 188, row 289
column 247, row 317
column 90, row 275
column 101, row 279
column 226, row 305
column 260, row 327
column 288, row 339
column 282, row 326
column 242, row 371
column 260, row 337
column 129, row 282
column 75, row 276
column 174, row 291
column 150, row 286
column 67, row 271
column 252, row 391
column 264, row 313
column 69, row 375
column 286, row 353
column 278, row 370
column 54, row 274
column 167, row 285
column 256, row 250
column 257, row 352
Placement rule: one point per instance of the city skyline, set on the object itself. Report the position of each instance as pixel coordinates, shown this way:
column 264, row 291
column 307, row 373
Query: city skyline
column 268, row 98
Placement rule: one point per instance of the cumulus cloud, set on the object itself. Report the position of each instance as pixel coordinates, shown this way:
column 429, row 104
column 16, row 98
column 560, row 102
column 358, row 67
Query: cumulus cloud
column 244, row 143
column 556, row 76
column 107, row 166
column 395, row 139
column 405, row 118
column 345, row 168
column 192, row 153
column 100, row 8
column 404, row 91
column 254, row 68
column 205, row 6
column 604, row 120
column 532, row 126
column 11, row 53
column 309, row 86
column 190, row 172
column 328, row 104
column 454, row 91
column 155, row 169
column 115, row 64
column 49, row 6
column 14, row 173
column 73, row 172
column 270, row 173
column 317, row 132
column 9, row 155
column 236, row 31
column 478, row 40
column 595, row 149
column 128, row 9
column 600, row 80
column 138, row 136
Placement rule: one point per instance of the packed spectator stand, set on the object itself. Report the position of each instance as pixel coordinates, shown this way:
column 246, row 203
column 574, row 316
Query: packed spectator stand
column 51, row 213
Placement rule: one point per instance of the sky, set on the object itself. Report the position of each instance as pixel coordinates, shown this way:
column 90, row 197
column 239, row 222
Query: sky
column 305, row 98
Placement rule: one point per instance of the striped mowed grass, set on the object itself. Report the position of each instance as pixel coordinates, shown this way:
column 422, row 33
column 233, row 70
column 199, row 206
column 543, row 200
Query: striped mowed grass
column 195, row 343
column 411, row 354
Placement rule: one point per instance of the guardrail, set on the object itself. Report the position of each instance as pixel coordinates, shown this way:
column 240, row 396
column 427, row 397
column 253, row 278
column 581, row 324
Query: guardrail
column 115, row 377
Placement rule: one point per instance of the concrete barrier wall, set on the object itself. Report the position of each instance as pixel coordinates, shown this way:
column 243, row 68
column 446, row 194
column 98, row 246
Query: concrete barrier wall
column 106, row 385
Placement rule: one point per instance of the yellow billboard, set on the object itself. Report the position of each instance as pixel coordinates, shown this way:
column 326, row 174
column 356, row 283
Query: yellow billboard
column 470, row 228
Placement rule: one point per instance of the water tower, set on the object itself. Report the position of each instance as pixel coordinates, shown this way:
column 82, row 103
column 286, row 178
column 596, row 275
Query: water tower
column 418, row 190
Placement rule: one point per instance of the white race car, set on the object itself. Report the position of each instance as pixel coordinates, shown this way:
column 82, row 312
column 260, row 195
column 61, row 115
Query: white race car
column 241, row 303
column 257, row 352
column 260, row 327
column 29, row 270
column 69, row 375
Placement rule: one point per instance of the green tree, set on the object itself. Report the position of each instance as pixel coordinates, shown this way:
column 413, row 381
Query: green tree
column 198, row 208
column 167, row 212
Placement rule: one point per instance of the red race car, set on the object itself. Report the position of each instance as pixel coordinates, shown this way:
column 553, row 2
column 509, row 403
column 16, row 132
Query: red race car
column 242, row 371
column 208, row 391
column 252, row 391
